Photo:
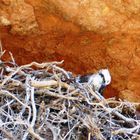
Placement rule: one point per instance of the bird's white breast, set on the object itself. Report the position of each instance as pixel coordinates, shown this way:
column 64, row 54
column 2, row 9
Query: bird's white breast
column 95, row 81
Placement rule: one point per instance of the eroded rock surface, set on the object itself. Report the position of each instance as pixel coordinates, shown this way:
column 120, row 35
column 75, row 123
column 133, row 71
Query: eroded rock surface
column 88, row 35
column 101, row 16
column 19, row 16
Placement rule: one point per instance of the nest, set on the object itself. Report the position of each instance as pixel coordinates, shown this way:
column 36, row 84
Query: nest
column 43, row 102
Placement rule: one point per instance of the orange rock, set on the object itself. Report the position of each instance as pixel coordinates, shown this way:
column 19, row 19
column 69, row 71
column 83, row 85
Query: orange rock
column 20, row 16
column 129, row 96
column 88, row 35
column 6, row 2
column 101, row 16
column 133, row 82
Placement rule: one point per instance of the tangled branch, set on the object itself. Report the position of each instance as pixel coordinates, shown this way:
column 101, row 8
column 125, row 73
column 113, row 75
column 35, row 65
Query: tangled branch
column 42, row 101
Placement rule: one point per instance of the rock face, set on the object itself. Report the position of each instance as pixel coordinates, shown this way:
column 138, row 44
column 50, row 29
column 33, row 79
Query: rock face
column 88, row 35
column 19, row 15
column 101, row 16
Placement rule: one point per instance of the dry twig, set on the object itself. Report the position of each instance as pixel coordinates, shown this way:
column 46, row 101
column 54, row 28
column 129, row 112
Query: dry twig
column 46, row 103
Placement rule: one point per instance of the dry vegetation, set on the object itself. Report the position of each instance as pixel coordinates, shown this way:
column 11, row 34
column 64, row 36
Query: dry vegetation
column 43, row 102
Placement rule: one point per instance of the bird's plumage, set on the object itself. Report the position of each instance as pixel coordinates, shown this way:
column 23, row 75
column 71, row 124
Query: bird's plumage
column 98, row 80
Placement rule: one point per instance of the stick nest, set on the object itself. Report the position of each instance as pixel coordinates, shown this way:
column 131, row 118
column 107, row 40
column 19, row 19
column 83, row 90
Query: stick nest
column 43, row 102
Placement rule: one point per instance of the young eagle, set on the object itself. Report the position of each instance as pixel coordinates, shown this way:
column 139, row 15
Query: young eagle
column 98, row 81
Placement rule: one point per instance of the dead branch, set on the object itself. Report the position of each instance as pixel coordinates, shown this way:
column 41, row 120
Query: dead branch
column 35, row 103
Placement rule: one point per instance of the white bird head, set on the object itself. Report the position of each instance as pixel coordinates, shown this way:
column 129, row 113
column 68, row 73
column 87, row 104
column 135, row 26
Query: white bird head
column 106, row 76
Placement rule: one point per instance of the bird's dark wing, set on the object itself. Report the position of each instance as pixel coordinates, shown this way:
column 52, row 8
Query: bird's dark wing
column 84, row 78
column 101, row 90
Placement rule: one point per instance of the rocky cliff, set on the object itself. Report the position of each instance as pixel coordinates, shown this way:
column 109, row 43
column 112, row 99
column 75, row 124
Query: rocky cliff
column 87, row 34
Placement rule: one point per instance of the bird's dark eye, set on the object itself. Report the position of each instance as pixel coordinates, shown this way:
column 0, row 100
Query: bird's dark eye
column 102, row 77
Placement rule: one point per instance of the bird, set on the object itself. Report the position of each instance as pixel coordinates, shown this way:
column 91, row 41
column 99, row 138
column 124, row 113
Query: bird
column 98, row 81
